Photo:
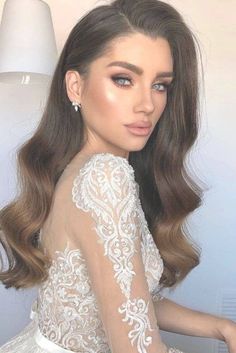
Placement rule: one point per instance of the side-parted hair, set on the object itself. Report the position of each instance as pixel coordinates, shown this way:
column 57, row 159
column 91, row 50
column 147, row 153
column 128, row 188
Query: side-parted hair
column 168, row 192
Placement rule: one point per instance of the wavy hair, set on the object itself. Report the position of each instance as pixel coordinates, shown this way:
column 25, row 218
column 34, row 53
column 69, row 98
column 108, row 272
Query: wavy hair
column 168, row 193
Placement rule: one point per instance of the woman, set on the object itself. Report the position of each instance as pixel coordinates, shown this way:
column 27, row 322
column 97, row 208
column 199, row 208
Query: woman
column 98, row 224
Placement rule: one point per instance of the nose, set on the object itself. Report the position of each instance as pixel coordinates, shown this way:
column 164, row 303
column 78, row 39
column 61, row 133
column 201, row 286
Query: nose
column 145, row 101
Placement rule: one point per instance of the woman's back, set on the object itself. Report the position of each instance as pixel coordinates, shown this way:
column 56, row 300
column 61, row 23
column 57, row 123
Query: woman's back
column 70, row 310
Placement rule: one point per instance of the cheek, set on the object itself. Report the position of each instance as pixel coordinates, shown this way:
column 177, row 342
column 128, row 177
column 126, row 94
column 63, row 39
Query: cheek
column 160, row 103
column 106, row 106
column 104, row 98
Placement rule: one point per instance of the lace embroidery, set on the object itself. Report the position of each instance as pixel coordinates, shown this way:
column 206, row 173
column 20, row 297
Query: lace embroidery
column 67, row 309
column 137, row 310
column 107, row 188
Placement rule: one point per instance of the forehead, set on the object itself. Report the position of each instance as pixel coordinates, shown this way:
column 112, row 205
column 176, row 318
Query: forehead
column 140, row 50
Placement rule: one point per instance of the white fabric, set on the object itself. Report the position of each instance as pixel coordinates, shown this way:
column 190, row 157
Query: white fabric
column 99, row 296
column 45, row 344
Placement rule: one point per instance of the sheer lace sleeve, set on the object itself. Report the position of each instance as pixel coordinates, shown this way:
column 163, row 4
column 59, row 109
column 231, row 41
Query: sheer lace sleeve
column 107, row 229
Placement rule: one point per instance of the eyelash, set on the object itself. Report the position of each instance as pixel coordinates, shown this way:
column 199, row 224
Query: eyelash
column 116, row 78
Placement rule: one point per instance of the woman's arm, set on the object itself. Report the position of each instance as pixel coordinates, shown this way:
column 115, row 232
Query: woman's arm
column 176, row 318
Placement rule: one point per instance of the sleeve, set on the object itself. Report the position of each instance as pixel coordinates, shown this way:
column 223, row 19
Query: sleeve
column 106, row 199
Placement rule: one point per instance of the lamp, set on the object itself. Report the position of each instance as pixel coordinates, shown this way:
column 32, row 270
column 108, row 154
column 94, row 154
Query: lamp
column 28, row 50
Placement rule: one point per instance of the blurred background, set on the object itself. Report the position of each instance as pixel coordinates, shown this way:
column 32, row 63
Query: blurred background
column 211, row 286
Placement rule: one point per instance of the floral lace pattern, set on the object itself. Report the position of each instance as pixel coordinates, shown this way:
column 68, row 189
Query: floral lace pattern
column 67, row 308
column 108, row 190
column 68, row 312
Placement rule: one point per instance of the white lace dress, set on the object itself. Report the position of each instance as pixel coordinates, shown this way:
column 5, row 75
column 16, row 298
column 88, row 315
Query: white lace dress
column 100, row 296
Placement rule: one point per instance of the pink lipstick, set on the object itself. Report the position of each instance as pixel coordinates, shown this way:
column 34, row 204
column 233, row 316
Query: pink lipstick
column 140, row 128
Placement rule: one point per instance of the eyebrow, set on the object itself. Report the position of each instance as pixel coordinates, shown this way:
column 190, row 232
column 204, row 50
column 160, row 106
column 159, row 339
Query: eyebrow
column 138, row 70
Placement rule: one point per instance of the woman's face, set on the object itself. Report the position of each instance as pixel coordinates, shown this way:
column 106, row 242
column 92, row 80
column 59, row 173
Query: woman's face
column 126, row 86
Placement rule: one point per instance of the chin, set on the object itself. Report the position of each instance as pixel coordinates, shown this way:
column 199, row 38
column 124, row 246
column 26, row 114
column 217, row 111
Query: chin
column 137, row 147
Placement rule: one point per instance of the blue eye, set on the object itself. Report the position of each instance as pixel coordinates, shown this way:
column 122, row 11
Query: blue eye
column 118, row 80
column 163, row 85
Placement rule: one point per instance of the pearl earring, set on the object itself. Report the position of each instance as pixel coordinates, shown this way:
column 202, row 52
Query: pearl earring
column 76, row 105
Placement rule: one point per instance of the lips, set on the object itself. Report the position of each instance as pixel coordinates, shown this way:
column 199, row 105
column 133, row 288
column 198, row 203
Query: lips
column 140, row 128
column 140, row 124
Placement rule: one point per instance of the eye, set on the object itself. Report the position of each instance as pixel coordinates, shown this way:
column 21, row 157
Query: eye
column 163, row 87
column 120, row 80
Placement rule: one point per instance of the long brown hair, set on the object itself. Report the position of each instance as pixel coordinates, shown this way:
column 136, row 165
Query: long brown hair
column 167, row 191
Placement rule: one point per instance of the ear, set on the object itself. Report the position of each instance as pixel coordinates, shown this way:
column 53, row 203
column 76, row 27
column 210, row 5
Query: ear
column 73, row 82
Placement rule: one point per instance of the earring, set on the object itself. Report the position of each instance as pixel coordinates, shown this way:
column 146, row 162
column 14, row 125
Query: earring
column 76, row 105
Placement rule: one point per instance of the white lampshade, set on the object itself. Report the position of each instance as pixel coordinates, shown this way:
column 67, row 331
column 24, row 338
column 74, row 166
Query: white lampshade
column 28, row 52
